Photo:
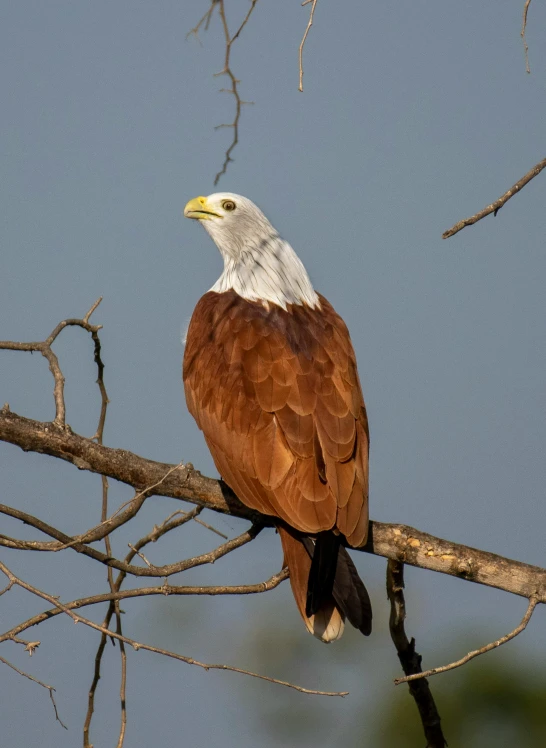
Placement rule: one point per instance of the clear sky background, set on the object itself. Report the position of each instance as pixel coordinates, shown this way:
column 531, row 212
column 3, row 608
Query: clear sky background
column 414, row 116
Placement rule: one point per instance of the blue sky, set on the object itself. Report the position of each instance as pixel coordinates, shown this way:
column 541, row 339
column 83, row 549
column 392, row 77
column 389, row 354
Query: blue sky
column 413, row 116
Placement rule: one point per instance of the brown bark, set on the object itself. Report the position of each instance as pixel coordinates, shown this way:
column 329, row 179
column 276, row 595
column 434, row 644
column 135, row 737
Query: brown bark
column 393, row 541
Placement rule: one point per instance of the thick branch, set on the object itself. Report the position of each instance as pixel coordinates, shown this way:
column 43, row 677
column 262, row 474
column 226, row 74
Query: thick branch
column 410, row 659
column 398, row 542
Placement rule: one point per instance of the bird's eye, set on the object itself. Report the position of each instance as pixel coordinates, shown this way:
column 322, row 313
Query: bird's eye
column 229, row 205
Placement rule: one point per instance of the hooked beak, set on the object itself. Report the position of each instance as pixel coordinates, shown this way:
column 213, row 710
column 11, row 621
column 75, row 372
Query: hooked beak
column 199, row 209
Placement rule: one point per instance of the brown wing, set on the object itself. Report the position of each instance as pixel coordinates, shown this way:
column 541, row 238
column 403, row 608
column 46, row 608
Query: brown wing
column 277, row 396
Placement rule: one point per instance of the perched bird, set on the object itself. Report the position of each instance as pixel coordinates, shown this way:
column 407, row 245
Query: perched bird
column 270, row 377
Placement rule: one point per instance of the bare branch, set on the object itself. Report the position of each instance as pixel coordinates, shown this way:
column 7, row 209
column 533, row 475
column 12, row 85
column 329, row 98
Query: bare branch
column 523, row 28
column 533, row 601
column 204, row 20
column 304, row 38
column 40, row 683
column 498, row 204
column 211, row 528
column 164, row 590
column 44, row 347
column 29, row 646
column 398, row 542
column 409, row 658
column 158, row 531
column 139, row 645
column 227, row 70
column 105, row 558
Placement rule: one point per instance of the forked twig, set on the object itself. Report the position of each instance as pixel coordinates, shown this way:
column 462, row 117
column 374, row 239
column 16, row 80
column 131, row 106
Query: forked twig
column 44, row 347
column 40, row 683
column 533, row 602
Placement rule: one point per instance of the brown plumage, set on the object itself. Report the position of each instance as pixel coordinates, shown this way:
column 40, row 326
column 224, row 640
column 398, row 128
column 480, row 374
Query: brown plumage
column 277, row 395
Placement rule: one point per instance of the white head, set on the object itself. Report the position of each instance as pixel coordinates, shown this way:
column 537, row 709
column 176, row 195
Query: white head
column 258, row 264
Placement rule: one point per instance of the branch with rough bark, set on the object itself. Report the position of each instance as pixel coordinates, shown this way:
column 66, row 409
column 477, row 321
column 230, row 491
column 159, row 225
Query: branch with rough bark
column 390, row 540
column 410, row 659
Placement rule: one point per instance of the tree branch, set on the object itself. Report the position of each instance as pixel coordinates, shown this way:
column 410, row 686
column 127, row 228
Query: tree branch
column 40, row 683
column 139, row 645
column 398, row 542
column 522, row 34
column 497, row 205
column 304, row 38
column 44, row 347
column 227, row 70
column 475, row 653
column 165, row 590
column 410, row 659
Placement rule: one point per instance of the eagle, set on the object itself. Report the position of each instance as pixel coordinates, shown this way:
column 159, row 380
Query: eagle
column 270, row 377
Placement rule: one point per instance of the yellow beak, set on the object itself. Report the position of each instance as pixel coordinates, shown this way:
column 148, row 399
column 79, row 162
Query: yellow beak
column 199, row 209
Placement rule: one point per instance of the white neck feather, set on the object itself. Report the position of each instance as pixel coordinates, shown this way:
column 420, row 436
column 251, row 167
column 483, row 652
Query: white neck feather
column 268, row 270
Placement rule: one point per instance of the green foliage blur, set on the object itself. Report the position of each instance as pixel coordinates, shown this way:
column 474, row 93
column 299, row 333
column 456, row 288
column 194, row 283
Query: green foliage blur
column 484, row 704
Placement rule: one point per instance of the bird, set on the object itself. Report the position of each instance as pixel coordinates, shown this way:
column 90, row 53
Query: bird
column 270, row 377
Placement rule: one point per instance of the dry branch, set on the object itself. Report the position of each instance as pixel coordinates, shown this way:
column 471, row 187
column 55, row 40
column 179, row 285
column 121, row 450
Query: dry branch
column 398, row 542
column 227, row 71
column 305, row 34
column 497, row 205
column 40, row 683
column 522, row 34
column 475, row 653
column 164, row 590
column 410, row 659
column 16, row 581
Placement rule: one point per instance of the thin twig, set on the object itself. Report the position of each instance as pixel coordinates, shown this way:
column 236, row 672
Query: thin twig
column 158, row 531
column 164, row 590
column 140, row 555
column 523, row 28
column 304, row 38
column 100, row 531
column 498, row 204
column 533, row 601
column 92, row 309
column 40, row 683
column 205, row 19
column 409, row 658
column 211, row 528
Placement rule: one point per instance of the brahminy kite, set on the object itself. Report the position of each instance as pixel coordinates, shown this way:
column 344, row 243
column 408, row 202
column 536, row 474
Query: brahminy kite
column 270, row 377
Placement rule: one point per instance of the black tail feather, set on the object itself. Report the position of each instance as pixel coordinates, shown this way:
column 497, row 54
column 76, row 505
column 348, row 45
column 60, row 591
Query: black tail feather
column 323, row 571
column 334, row 573
column 351, row 595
